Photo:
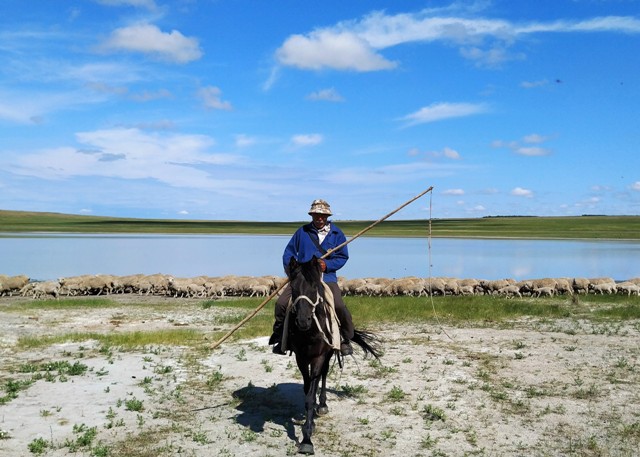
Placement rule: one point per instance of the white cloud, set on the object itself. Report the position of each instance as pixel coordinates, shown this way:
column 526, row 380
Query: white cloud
column 146, row 95
column 331, row 49
column 329, row 95
column 447, row 152
column 32, row 107
column 636, row 186
column 492, row 57
column 520, row 192
column 533, row 84
column 149, row 4
column 128, row 153
column 244, row 141
column 534, row 138
column 211, row 97
column 305, row 140
column 453, row 192
column 149, row 39
column 451, row 153
column 439, row 111
column 356, row 44
column 532, row 151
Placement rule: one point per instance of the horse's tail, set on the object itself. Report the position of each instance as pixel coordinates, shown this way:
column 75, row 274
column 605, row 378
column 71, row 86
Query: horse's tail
column 369, row 342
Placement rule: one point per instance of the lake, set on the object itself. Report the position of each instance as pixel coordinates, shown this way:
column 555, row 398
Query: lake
column 51, row 256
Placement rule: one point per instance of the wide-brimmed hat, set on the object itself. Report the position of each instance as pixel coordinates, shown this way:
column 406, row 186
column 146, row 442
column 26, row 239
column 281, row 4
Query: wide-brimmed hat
column 320, row 207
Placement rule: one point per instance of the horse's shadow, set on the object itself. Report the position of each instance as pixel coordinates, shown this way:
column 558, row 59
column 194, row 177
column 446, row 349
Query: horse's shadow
column 280, row 404
column 277, row 404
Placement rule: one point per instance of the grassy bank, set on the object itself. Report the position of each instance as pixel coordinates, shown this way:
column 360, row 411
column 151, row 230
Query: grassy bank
column 368, row 312
column 580, row 227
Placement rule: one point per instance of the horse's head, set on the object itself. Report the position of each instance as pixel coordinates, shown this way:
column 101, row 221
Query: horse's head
column 305, row 281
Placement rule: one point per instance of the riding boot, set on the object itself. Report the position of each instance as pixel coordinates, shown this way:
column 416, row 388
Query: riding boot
column 276, row 338
column 345, row 346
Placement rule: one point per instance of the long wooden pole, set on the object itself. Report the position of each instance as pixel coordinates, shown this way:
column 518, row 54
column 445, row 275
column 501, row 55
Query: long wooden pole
column 328, row 253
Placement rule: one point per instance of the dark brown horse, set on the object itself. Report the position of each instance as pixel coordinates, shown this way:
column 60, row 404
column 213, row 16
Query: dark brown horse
column 309, row 339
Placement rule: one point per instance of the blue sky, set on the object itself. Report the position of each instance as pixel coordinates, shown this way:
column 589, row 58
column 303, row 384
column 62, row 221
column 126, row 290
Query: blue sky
column 249, row 110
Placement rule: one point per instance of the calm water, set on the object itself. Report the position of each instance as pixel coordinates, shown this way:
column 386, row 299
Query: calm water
column 49, row 256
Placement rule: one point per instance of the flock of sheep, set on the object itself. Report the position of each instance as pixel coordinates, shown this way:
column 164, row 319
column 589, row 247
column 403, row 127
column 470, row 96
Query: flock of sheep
column 216, row 287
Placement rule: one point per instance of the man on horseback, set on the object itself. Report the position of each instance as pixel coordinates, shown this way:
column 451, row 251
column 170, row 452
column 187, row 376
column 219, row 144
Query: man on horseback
column 315, row 239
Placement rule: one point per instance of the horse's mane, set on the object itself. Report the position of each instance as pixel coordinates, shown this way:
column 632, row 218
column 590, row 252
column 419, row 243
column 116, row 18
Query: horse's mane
column 309, row 270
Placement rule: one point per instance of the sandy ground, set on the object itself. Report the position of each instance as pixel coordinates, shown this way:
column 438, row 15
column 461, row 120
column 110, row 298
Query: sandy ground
column 523, row 389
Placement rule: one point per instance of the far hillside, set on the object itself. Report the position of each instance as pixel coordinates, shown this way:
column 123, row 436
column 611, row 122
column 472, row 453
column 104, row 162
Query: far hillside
column 575, row 227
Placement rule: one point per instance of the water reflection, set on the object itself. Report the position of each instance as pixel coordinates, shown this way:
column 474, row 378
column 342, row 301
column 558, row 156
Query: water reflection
column 46, row 256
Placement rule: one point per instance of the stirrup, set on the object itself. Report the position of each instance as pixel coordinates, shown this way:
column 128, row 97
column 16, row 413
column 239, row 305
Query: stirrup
column 277, row 349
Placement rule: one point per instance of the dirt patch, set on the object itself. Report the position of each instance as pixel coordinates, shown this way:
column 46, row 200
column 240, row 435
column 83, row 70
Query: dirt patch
column 529, row 388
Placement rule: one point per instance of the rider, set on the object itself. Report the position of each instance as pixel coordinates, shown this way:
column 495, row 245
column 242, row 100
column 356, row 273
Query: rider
column 316, row 238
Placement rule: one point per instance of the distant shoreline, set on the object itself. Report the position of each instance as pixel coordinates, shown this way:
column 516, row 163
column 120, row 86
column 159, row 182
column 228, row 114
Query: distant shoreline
column 609, row 228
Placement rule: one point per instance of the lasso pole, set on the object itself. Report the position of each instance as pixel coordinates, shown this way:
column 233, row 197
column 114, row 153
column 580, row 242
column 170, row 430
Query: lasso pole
column 274, row 293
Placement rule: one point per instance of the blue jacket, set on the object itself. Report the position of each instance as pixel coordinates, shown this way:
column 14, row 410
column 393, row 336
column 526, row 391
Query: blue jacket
column 302, row 248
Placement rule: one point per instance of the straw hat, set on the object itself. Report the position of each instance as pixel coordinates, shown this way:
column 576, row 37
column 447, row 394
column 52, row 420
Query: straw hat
column 320, row 207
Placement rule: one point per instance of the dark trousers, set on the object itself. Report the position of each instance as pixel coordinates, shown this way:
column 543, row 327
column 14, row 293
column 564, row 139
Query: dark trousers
column 344, row 316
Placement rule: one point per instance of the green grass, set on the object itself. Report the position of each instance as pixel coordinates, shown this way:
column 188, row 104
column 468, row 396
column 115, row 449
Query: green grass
column 367, row 312
column 63, row 304
column 124, row 340
column 452, row 309
column 588, row 227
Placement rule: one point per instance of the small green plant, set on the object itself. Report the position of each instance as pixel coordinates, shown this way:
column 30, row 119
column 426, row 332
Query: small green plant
column 133, row 404
column 84, row 439
column 396, row 394
column 267, row 366
column 163, row 369
column 214, row 380
column 248, row 436
column 242, row 355
column 397, row 411
column 200, row 438
column 353, row 391
column 427, row 442
column 432, row 413
column 38, row 446
column 100, row 450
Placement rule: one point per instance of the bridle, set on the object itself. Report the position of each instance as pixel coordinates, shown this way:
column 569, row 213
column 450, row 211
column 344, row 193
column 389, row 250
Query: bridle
column 314, row 305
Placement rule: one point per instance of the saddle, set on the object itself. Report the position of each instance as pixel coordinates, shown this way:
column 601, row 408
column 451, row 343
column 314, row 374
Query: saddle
column 333, row 323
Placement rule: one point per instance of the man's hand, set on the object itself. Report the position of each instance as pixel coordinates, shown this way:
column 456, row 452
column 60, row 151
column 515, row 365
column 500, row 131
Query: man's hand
column 323, row 265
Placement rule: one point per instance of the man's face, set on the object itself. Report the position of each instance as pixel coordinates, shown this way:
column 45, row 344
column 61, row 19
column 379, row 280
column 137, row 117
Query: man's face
column 319, row 220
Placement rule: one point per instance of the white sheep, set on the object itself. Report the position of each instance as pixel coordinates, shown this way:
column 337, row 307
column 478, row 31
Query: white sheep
column 546, row 291
column 629, row 288
column 580, row 285
column 11, row 284
column 608, row 287
column 510, row 291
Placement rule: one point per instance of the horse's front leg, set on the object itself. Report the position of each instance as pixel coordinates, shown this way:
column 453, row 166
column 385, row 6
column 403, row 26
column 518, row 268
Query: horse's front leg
column 306, row 446
column 322, row 408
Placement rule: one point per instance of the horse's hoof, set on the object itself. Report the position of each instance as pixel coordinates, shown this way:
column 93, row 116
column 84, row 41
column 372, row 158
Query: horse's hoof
column 322, row 410
column 306, row 448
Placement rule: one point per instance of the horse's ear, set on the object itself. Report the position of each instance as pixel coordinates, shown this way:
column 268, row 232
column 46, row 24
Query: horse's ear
column 293, row 266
